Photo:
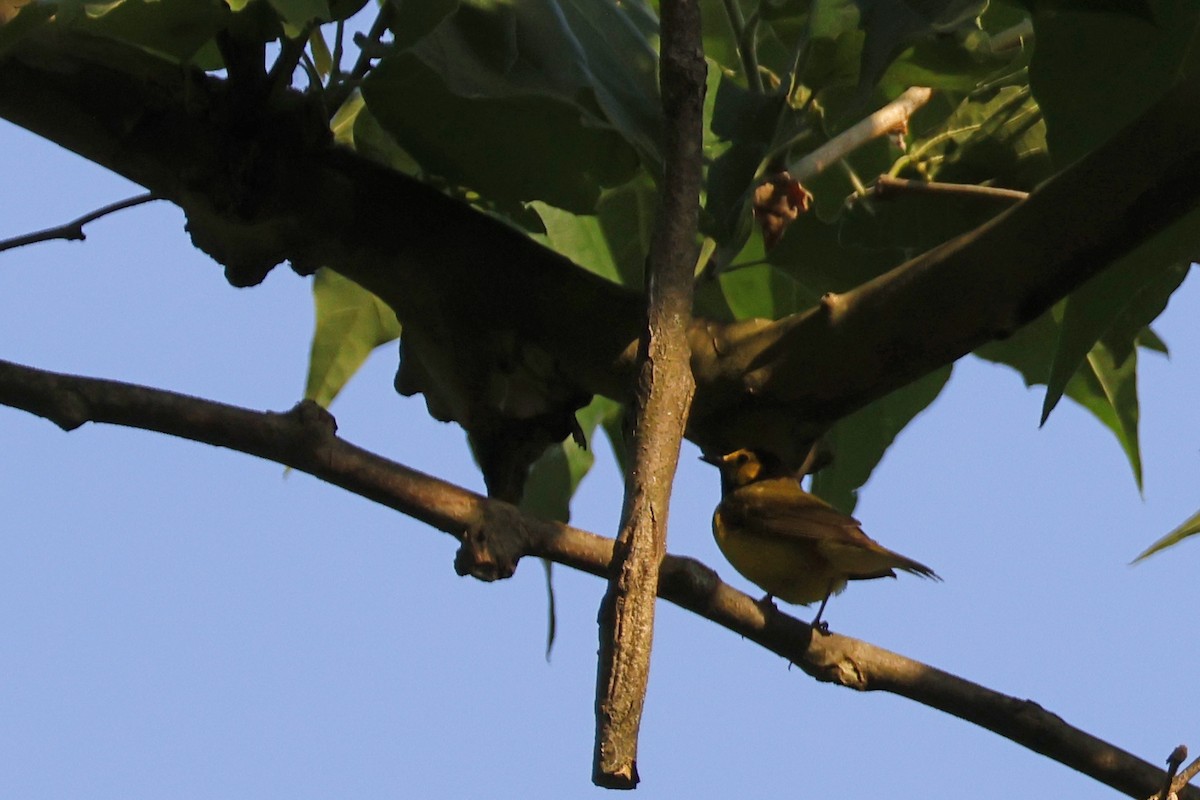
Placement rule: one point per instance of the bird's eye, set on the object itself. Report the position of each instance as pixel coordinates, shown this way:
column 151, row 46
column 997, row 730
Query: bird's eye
column 743, row 457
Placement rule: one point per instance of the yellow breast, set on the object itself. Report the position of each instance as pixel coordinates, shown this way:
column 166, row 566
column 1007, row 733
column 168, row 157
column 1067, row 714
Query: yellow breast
column 791, row 569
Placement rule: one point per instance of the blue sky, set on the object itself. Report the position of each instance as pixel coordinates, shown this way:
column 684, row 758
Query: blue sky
column 181, row 621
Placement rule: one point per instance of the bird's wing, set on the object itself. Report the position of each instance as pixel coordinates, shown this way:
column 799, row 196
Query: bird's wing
column 763, row 510
column 778, row 507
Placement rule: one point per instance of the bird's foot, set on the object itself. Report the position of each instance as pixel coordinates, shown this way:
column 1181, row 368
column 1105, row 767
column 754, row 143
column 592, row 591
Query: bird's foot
column 818, row 626
column 767, row 605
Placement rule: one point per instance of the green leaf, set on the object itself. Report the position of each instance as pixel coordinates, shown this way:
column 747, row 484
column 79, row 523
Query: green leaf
column 373, row 142
column 175, row 30
column 555, row 476
column 299, row 13
column 320, row 52
column 344, row 9
column 1094, row 71
column 553, row 479
column 763, row 291
column 1030, row 351
column 343, row 122
column 1106, row 385
column 580, row 238
column 29, row 18
column 819, row 258
column 411, row 22
column 551, row 607
column 594, row 56
column 550, row 151
column 744, row 127
column 893, row 25
column 1189, row 528
column 350, row 323
column 860, row 440
column 621, row 63
column 963, row 62
column 996, row 137
column 614, row 241
column 1116, row 304
column 1149, row 340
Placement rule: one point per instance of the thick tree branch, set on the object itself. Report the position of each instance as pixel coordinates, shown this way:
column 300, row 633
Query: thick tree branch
column 662, row 401
column 772, row 385
column 304, row 439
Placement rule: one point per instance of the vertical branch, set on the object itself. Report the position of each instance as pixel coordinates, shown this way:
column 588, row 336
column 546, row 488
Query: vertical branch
column 662, row 402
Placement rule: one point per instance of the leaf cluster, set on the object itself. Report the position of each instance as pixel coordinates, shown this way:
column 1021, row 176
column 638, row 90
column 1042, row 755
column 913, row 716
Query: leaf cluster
column 545, row 116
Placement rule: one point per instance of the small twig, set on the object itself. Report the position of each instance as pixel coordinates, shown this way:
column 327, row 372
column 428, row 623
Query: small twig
column 891, row 118
column 335, row 71
column 311, row 71
column 1173, row 761
column 887, row 187
column 73, row 230
column 339, row 90
column 1175, row 784
column 291, row 52
column 378, row 28
column 860, row 188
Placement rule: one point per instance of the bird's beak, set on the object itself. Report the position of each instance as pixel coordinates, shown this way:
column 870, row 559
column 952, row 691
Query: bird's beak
column 714, row 460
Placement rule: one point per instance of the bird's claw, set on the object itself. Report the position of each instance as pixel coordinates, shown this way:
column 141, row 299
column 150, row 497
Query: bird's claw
column 767, row 605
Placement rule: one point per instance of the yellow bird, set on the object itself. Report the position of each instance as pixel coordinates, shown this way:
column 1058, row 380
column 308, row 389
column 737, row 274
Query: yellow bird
column 790, row 543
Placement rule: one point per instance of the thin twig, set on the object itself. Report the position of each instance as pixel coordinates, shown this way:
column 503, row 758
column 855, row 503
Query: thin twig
column 1176, row 783
column 1173, row 761
column 382, row 20
column 887, row 187
column 338, row 91
column 305, row 439
column 889, row 119
column 73, row 230
column 335, row 72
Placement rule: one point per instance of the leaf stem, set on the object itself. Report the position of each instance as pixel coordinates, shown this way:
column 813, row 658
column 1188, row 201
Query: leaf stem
column 745, row 37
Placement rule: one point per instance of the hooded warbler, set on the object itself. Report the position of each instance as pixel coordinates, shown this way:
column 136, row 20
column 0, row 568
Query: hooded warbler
column 792, row 544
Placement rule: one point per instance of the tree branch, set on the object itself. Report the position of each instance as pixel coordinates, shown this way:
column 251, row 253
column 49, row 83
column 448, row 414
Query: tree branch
column 73, row 230
column 305, row 439
column 663, row 399
column 759, row 384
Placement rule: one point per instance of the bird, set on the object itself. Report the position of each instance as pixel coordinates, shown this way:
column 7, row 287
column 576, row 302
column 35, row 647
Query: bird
column 790, row 543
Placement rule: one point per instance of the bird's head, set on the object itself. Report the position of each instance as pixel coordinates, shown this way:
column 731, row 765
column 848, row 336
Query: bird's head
column 740, row 467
